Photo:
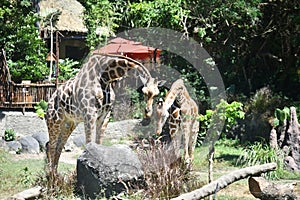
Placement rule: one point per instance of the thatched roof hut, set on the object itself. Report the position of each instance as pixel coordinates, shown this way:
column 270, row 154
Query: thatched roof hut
column 71, row 17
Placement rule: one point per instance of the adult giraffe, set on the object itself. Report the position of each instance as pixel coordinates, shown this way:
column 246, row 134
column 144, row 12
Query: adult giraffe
column 88, row 97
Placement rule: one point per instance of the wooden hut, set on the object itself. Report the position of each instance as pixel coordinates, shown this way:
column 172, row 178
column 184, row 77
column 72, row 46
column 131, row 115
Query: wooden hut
column 69, row 31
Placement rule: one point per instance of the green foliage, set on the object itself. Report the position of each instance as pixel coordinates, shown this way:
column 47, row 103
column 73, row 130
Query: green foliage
column 137, row 104
column 9, row 135
column 101, row 19
column 163, row 13
column 25, row 51
column 67, row 69
column 41, row 108
column 261, row 153
column 281, row 116
column 26, row 177
column 229, row 112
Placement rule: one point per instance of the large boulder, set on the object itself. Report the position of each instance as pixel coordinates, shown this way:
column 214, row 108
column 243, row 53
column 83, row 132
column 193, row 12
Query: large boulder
column 42, row 139
column 106, row 170
column 29, row 145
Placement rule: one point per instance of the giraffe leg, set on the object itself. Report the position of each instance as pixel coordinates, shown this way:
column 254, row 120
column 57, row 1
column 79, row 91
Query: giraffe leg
column 89, row 128
column 186, row 133
column 58, row 137
column 65, row 132
column 193, row 139
column 53, row 130
column 101, row 126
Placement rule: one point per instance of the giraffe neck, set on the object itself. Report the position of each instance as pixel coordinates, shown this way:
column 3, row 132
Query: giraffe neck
column 176, row 94
column 118, row 66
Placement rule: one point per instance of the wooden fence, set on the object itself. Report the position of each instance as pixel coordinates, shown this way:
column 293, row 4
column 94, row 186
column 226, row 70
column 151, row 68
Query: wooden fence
column 25, row 95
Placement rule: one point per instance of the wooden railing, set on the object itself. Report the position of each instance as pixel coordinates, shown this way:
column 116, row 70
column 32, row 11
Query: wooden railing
column 25, row 95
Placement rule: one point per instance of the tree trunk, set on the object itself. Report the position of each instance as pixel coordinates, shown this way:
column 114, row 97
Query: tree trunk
column 226, row 180
column 265, row 190
column 210, row 166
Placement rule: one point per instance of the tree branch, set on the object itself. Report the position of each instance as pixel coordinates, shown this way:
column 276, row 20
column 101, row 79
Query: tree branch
column 226, row 180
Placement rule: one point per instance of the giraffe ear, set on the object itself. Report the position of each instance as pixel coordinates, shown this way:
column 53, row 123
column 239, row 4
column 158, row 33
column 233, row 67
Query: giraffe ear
column 143, row 79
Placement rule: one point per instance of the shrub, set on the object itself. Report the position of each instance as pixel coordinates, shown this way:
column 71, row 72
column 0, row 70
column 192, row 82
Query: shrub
column 264, row 102
column 229, row 112
column 62, row 187
column 9, row 135
column 41, row 108
column 166, row 174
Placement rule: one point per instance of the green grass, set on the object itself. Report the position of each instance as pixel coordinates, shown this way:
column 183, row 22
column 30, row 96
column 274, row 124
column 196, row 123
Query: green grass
column 18, row 175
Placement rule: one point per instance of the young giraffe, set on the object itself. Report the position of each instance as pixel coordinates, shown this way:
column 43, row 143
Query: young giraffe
column 88, row 97
column 182, row 112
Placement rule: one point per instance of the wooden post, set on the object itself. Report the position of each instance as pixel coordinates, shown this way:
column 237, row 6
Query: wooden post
column 57, row 58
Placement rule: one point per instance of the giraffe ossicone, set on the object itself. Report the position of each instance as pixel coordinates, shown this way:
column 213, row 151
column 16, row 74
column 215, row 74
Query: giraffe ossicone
column 181, row 111
column 88, row 98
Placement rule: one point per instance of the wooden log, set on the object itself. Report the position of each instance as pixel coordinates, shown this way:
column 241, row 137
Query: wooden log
column 28, row 194
column 226, row 180
column 265, row 190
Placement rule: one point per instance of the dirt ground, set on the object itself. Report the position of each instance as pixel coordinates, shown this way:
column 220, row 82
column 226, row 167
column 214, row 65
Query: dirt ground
column 66, row 157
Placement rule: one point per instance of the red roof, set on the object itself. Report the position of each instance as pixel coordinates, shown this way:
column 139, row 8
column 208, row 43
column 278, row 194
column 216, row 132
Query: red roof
column 132, row 49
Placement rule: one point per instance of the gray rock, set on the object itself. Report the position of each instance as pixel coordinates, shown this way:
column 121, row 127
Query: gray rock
column 14, row 146
column 69, row 146
column 103, row 170
column 3, row 145
column 42, row 139
column 79, row 140
column 29, row 145
column 290, row 164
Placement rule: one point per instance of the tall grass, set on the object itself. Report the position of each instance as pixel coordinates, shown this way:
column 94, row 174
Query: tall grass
column 166, row 174
column 62, row 187
column 261, row 153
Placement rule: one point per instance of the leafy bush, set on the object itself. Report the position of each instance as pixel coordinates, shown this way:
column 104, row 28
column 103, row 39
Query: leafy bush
column 41, row 108
column 229, row 112
column 9, row 135
column 281, row 116
column 67, row 69
column 261, row 153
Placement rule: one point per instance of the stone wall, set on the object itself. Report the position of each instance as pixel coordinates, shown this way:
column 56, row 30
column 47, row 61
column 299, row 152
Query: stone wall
column 26, row 124
column 30, row 123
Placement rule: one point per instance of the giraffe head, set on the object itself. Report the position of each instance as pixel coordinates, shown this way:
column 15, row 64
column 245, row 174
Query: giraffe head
column 162, row 115
column 150, row 90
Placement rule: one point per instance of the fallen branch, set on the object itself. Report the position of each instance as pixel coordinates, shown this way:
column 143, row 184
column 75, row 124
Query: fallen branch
column 31, row 193
column 226, row 180
column 266, row 190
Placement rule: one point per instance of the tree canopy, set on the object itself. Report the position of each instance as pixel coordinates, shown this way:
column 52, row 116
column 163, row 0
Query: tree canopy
column 254, row 43
column 25, row 50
